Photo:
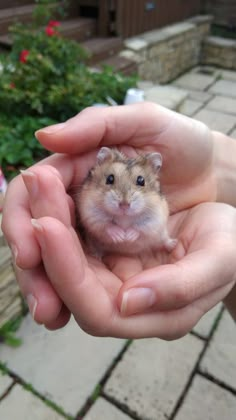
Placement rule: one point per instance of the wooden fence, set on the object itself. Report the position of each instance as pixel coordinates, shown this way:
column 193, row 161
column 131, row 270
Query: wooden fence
column 131, row 17
column 224, row 11
column 137, row 16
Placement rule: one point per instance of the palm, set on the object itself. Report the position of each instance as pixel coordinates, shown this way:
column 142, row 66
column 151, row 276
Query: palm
column 201, row 240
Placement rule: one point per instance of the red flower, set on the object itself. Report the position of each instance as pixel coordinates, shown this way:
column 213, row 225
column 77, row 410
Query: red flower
column 50, row 31
column 12, row 85
column 23, row 56
column 53, row 23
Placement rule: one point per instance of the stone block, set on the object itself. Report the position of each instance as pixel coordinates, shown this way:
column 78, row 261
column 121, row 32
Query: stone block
column 131, row 55
column 103, row 410
column 223, row 104
column 136, row 44
column 219, row 359
column 5, row 382
column 224, row 88
column 228, row 75
column 190, row 107
column 206, row 323
column 216, row 120
column 10, row 300
column 195, row 81
column 221, row 42
column 233, row 134
column 208, row 401
column 63, row 365
column 152, row 375
column 167, row 96
column 23, row 405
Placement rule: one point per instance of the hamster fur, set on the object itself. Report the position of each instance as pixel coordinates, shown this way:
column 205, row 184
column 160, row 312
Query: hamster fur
column 120, row 205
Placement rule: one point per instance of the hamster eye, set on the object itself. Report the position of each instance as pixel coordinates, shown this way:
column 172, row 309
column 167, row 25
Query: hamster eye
column 140, row 181
column 110, row 179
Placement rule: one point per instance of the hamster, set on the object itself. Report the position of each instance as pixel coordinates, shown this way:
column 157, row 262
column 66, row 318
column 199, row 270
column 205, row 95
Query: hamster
column 120, row 205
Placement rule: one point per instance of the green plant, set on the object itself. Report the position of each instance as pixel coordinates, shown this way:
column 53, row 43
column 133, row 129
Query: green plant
column 8, row 330
column 18, row 146
column 46, row 74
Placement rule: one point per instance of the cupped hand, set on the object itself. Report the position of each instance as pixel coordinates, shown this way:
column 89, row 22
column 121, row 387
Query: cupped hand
column 187, row 179
column 162, row 295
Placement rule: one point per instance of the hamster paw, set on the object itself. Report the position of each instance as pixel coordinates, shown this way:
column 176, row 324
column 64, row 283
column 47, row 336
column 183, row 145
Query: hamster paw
column 116, row 234
column 170, row 244
column 131, row 235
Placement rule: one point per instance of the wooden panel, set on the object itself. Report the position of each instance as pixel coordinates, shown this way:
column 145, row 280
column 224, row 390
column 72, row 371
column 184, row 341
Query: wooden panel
column 224, row 11
column 137, row 16
column 6, row 4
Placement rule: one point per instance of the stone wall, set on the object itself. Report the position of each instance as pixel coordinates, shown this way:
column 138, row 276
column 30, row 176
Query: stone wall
column 164, row 54
column 11, row 303
column 219, row 52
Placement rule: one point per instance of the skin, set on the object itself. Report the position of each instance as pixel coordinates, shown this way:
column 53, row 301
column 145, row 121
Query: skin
column 162, row 295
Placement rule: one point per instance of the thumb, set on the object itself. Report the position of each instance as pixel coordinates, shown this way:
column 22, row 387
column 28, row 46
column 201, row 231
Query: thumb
column 173, row 286
column 70, row 275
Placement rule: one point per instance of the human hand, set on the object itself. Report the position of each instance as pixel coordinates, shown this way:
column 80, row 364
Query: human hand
column 187, row 178
column 163, row 295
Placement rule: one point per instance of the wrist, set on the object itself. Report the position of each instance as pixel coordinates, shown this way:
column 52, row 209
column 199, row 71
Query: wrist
column 225, row 168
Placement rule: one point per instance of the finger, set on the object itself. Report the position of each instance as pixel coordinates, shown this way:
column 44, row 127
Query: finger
column 123, row 267
column 131, row 124
column 177, row 285
column 80, row 289
column 43, row 302
column 61, row 320
column 93, row 308
column 167, row 325
column 47, row 195
column 17, row 213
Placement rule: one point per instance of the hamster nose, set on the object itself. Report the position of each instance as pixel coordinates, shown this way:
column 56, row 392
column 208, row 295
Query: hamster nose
column 124, row 205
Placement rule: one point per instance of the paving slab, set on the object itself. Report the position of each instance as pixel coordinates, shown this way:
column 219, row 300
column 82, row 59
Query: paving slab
column 103, row 410
column 169, row 96
column 190, row 107
column 208, row 401
column 223, row 104
column 206, row 323
column 5, row 382
column 233, row 134
column 219, row 359
column 195, row 81
column 199, row 96
column 228, row 75
column 207, row 70
column 152, row 375
column 23, row 405
column 64, row 365
column 216, row 120
column 224, row 88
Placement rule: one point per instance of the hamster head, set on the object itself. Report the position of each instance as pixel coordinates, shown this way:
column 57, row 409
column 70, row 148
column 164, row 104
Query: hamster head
column 119, row 186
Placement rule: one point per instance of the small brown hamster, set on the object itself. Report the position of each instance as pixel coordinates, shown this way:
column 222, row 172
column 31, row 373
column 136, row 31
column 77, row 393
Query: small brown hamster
column 120, row 205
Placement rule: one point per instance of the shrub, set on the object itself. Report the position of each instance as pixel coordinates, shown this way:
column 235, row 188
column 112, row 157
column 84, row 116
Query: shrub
column 43, row 80
column 46, row 74
column 18, row 146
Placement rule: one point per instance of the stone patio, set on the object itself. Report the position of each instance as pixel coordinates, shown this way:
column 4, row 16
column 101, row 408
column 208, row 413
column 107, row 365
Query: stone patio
column 68, row 374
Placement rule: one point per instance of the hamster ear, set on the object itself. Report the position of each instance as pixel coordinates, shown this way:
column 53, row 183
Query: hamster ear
column 104, row 154
column 156, row 160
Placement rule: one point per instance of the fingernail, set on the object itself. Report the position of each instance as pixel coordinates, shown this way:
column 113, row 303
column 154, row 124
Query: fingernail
column 51, row 129
column 32, row 304
column 31, row 182
column 38, row 230
column 137, row 300
column 37, row 225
